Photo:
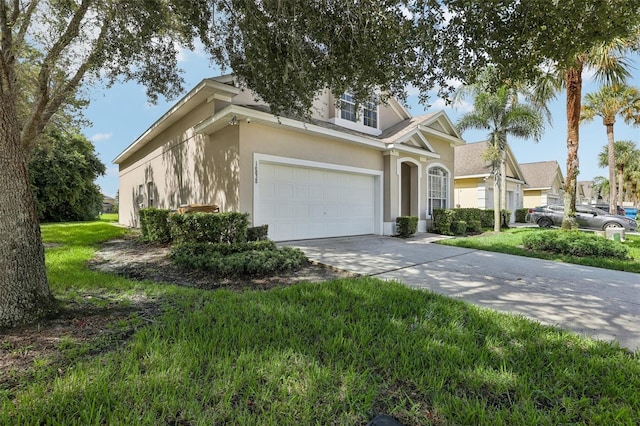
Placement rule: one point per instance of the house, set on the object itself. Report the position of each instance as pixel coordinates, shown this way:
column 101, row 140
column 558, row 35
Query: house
column 545, row 183
column 587, row 194
column 107, row 204
column 473, row 180
column 343, row 172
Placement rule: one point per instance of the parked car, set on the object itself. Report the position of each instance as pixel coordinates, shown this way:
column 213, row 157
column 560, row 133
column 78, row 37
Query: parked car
column 587, row 217
column 605, row 207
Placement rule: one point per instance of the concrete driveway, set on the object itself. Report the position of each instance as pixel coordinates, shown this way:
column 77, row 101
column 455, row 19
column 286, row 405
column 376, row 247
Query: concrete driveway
column 595, row 302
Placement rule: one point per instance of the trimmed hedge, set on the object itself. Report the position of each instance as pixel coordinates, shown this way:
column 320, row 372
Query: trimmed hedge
column 442, row 220
column 521, row 215
column 475, row 220
column 575, row 243
column 154, row 225
column 459, row 227
column 229, row 227
column 406, row 226
column 258, row 233
column 247, row 259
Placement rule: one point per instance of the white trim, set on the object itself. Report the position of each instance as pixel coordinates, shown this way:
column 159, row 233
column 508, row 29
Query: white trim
column 413, row 150
column 221, row 119
column 177, row 111
column 355, row 125
column 266, row 158
column 428, row 216
column 399, row 162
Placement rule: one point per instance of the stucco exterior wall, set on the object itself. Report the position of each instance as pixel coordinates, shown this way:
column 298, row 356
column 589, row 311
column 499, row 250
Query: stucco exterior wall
column 466, row 193
column 532, row 198
column 264, row 139
column 180, row 167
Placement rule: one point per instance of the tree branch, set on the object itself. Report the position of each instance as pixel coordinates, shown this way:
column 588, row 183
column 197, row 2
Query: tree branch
column 36, row 121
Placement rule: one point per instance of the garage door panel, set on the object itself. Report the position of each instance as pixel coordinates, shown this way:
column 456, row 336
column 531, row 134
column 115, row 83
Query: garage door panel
column 300, row 203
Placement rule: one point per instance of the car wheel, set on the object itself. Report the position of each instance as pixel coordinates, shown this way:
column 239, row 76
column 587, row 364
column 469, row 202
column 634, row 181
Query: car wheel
column 612, row 225
column 545, row 222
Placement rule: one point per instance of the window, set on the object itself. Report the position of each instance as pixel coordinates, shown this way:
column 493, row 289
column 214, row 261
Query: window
column 366, row 115
column 370, row 117
column 348, row 108
column 438, row 189
column 150, row 197
column 141, row 195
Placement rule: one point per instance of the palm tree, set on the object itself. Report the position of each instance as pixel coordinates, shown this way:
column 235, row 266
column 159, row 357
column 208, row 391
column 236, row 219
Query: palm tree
column 633, row 178
column 500, row 112
column 611, row 67
column 626, row 154
column 609, row 102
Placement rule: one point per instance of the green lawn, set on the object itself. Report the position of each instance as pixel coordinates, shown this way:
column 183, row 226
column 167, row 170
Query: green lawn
column 331, row 353
column 510, row 241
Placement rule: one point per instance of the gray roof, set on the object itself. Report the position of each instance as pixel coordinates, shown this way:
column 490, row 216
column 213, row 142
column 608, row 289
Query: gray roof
column 540, row 174
column 468, row 160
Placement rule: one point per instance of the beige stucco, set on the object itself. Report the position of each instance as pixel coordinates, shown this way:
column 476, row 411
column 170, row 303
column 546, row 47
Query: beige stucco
column 207, row 149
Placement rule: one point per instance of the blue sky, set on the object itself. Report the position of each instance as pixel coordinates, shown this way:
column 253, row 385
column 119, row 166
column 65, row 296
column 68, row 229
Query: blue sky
column 121, row 114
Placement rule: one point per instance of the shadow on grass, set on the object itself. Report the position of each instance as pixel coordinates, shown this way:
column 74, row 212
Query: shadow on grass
column 340, row 353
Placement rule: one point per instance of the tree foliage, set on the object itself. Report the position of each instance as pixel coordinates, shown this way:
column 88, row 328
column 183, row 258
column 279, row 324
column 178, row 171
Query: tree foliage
column 62, row 169
column 497, row 109
column 284, row 50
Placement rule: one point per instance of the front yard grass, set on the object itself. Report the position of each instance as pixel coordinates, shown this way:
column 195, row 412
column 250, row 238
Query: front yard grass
column 332, row 353
column 510, row 241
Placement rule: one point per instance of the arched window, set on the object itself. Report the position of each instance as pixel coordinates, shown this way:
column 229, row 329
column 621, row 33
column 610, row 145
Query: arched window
column 438, row 189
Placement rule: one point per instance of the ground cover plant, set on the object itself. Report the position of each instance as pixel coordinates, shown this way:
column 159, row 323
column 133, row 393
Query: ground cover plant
column 511, row 241
column 332, row 353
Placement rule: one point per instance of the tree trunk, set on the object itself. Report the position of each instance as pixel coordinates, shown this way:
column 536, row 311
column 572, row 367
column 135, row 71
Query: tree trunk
column 621, row 186
column 574, row 94
column 496, row 203
column 503, row 183
column 613, row 195
column 24, row 290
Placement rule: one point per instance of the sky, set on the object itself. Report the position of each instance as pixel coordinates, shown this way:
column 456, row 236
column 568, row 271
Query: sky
column 120, row 114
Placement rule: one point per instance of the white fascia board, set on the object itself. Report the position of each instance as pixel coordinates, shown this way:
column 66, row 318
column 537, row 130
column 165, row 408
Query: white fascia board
column 205, row 86
column 243, row 113
column 515, row 180
column 537, row 189
column 473, row 176
column 411, row 150
column 453, row 139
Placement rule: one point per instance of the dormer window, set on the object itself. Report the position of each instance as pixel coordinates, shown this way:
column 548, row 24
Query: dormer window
column 348, row 108
column 363, row 119
column 370, row 115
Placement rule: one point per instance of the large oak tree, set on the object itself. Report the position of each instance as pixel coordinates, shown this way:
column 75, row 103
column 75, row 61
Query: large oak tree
column 285, row 50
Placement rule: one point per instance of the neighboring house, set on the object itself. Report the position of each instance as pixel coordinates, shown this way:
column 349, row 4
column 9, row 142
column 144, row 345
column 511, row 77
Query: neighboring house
column 473, row 180
column 545, row 183
column 585, row 194
column 107, row 204
column 345, row 172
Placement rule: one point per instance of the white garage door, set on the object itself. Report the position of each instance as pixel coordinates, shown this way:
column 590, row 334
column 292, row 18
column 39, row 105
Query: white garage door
column 302, row 202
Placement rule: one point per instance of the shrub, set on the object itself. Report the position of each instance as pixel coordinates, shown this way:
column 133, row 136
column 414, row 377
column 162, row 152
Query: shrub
column 406, row 226
column 229, row 227
column 474, row 226
column 575, row 243
column 253, row 258
column 521, row 215
column 486, row 218
column 258, row 233
column 154, row 224
column 208, row 249
column 459, row 227
column 442, row 220
column 468, row 214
